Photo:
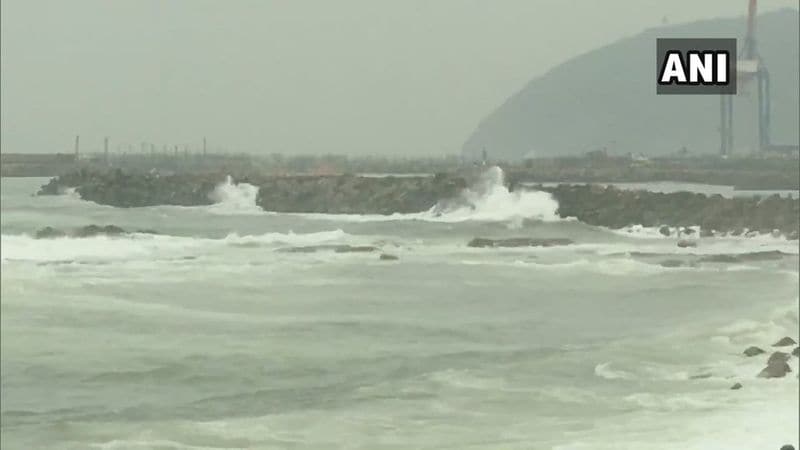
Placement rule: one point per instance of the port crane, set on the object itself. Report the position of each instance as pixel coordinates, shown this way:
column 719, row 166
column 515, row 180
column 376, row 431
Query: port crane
column 749, row 67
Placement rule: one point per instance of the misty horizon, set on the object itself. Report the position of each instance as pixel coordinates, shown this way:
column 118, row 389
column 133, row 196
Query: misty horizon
column 356, row 78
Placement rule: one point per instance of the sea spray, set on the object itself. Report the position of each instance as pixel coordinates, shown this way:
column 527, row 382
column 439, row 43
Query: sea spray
column 234, row 198
column 490, row 200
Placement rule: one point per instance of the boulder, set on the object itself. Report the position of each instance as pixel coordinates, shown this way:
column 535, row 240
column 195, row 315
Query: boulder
column 796, row 352
column 701, row 376
column 333, row 248
column 354, row 249
column 785, row 342
column 787, row 447
column 672, row 263
column 753, row 351
column 49, row 233
column 95, row 230
column 777, row 358
column 388, row 257
column 736, row 386
column 664, row 230
column 775, row 370
column 684, row 243
column 519, row 242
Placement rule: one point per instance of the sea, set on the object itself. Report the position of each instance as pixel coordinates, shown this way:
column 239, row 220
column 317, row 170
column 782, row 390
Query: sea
column 208, row 336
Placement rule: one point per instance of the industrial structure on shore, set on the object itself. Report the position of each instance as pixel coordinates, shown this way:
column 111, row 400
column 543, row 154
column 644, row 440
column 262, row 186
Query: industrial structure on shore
column 750, row 67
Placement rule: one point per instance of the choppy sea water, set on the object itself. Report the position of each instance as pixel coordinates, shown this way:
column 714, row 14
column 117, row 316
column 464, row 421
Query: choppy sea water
column 206, row 337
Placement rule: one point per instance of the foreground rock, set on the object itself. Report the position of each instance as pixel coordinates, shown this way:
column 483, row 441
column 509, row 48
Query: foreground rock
column 753, row 351
column 745, row 257
column 330, row 248
column 49, row 233
column 86, row 231
column 736, row 386
column 388, row 257
column 796, row 352
column 518, row 242
column 785, row 342
column 776, row 369
column 778, row 357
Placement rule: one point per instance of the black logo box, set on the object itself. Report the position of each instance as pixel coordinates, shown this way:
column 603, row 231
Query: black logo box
column 663, row 45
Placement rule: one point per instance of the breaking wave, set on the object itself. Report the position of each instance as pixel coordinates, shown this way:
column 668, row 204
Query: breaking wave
column 144, row 246
column 488, row 200
column 232, row 198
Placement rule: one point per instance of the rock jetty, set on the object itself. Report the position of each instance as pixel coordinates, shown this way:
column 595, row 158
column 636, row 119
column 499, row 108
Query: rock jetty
column 349, row 194
column 617, row 208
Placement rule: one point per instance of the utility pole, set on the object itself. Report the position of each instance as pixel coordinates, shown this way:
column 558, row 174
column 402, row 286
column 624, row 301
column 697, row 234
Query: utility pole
column 77, row 145
column 205, row 149
column 105, row 149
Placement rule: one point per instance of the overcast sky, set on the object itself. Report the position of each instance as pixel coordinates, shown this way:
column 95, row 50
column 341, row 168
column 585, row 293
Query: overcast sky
column 398, row 77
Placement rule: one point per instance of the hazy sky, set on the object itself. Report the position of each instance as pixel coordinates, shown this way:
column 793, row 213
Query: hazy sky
column 347, row 76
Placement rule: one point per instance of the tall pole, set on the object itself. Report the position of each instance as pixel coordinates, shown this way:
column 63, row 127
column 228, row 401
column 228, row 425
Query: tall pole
column 77, row 145
column 723, row 125
column 204, row 147
column 105, row 149
column 730, row 124
column 750, row 39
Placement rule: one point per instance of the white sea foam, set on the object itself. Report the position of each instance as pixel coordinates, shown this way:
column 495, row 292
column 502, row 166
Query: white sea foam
column 290, row 238
column 137, row 246
column 234, row 198
column 604, row 370
column 488, row 200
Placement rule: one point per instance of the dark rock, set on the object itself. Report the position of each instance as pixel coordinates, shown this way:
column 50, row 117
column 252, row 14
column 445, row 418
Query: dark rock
column 664, row 230
column 753, row 351
column 787, row 447
column 95, row 230
column 775, row 370
column 49, row 233
column 701, row 376
column 333, row 248
column 687, row 231
column 672, row 263
column 388, row 257
column 796, row 352
column 147, row 231
column 778, row 357
column 719, row 258
column 785, row 342
column 683, row 243
column 354, row 249
column 518, row 242
column 736, row 386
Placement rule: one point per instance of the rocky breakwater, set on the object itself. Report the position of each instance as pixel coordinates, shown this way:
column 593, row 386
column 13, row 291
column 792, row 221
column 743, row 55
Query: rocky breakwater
column 350, row 194
column 339, row 194
column 347, row 194
column 616, row 208
column 135, row 189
